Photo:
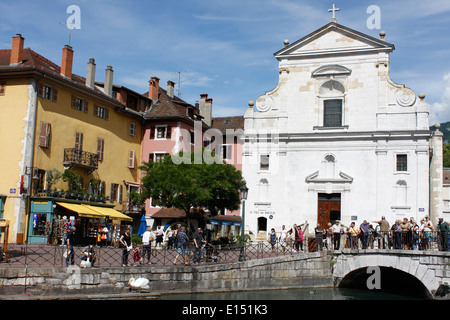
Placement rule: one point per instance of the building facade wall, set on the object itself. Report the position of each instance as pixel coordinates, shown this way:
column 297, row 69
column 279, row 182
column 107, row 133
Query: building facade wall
column 355, row 159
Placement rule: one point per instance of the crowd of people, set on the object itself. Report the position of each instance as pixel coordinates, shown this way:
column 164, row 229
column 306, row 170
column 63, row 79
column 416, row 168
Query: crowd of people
column 405, row 234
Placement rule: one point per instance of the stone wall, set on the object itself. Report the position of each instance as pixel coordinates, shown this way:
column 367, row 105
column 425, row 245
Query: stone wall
column 295, row 271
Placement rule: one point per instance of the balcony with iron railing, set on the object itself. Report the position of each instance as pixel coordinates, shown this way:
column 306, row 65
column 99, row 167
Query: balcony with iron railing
column 78, row 158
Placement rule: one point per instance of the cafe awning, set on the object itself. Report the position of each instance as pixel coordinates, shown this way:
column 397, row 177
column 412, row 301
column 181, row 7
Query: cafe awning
column 94, row 211
column 109, row 212
column 82, row 211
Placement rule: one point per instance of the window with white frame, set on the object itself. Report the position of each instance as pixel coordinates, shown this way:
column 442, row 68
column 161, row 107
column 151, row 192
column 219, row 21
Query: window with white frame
column 401, row 163
column 331, row 100
column 161, row 132
column 264, row 162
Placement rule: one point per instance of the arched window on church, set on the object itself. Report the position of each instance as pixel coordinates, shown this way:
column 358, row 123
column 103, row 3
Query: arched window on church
column 331, row 96
column 401, row 188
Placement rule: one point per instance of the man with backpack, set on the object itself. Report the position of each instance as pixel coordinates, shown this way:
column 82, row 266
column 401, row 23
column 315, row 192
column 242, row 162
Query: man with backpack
column 182, row 240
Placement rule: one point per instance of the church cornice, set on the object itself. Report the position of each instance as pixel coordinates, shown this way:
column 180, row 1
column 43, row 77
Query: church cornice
column 340, row 136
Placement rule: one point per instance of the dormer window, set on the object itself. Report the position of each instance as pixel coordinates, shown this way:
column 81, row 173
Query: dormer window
column 190, row 113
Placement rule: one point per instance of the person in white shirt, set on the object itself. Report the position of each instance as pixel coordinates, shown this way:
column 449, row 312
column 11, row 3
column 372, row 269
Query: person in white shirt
column 282, row 239
column 147, row 239
column 336, row 228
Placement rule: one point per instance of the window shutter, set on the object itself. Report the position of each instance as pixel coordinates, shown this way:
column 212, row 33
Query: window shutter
column 44, row 135
column 106, row 114
column 74, row 102
column 102, row 188
column 40, row 90
column 151, row 157
column 100, row 148
column 169, row 133
column 86, row 106
column 131, row 159
column 120, row 192
column 112, row 195
column 2, row 88
column 78, row 141
column 152, row 133
column 55, row 95
column 95, row 110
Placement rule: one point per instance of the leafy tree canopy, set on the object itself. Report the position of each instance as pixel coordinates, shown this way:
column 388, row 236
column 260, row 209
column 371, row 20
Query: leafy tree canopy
column 192, row 184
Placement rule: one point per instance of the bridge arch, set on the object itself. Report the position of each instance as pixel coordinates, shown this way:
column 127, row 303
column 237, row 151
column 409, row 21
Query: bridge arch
column 391, row 281
column 412, row 269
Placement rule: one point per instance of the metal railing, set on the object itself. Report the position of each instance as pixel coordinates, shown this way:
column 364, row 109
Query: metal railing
column 79, row 157
column 40, row 255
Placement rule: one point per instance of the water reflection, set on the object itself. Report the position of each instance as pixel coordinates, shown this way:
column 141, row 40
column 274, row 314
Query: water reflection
column 292, row 294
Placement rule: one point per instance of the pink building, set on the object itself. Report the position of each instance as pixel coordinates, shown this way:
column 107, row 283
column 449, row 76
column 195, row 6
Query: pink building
column 172, row 125
column 169, row 127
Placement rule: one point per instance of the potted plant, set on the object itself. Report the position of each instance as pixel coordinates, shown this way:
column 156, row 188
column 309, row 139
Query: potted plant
column 73, row 180
column 52, row 177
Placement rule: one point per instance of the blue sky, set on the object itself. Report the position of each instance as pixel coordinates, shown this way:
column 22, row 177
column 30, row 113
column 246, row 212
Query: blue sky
column 225, row 47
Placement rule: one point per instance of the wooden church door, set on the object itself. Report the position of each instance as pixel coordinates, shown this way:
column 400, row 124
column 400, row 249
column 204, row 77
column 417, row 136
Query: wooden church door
column 329, row 209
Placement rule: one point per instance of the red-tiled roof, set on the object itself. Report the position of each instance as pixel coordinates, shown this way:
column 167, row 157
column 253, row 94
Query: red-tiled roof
column 224, row 123
column 166, row 108
column 172, row 213
column 34, row 61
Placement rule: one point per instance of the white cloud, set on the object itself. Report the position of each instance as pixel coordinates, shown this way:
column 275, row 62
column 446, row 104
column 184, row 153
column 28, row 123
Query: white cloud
column 440, row 111
column 138, row 81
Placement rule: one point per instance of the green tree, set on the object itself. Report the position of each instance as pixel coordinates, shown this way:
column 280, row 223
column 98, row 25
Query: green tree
column 446, row 155
column 192, row 185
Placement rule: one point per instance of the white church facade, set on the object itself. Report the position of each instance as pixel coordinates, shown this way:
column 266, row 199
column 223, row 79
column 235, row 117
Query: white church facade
column 337, row 139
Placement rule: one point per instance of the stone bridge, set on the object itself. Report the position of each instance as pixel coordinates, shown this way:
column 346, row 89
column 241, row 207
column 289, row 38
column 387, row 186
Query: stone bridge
column 407, row 270
column 426, row 274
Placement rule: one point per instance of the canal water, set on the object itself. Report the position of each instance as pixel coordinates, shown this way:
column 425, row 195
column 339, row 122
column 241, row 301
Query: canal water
column 293, row 294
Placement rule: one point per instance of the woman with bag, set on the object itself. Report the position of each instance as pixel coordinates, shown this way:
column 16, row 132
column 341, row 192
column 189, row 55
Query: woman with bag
column 125, row 243
column 272, row 239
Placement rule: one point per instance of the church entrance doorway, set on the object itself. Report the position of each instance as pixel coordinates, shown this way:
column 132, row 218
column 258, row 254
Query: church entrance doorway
column 329, row 209
column 262, row 228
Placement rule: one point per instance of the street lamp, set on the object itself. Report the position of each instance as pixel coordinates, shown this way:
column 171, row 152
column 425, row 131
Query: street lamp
column 244, row 194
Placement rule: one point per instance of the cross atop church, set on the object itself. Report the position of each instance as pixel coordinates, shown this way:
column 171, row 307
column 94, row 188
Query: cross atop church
column 334, row 12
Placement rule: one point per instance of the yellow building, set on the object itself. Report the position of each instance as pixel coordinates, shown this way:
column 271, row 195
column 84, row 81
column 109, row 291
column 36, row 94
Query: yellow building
column 52, row 121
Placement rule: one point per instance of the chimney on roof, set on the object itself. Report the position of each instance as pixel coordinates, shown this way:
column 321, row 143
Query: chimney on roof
column 90, row 73
column 17, row 49
column 109, row 80
column 67, row 61
column 171, row 89
column 153, row 90
column 206, row 108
